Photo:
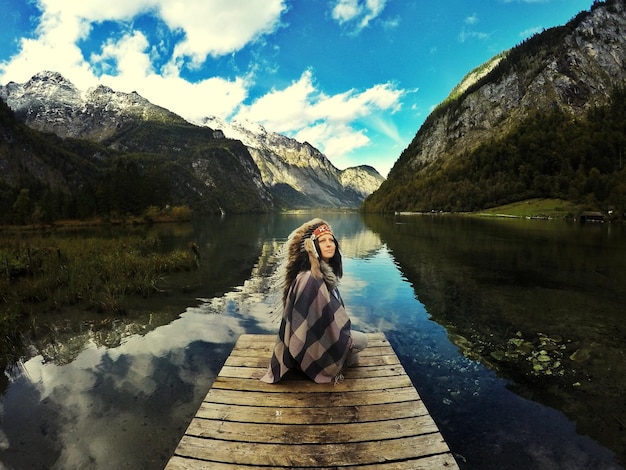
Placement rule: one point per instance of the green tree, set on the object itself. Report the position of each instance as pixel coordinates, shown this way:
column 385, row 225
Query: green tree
column 22, row 207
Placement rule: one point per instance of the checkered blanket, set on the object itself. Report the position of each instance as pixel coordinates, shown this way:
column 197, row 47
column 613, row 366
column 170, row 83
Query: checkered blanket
column 314, row 334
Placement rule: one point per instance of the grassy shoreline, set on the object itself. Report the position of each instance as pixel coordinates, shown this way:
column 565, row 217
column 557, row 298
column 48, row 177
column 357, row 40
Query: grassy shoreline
column 543, row 209
column 535, row 208
column 52, row 269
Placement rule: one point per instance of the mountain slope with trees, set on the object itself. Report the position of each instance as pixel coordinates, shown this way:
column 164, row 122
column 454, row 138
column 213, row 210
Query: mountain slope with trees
column 145, row 155
column 547, row 121
column 46, row 178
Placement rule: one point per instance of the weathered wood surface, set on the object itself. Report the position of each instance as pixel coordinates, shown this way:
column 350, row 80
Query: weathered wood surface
column 374, row 418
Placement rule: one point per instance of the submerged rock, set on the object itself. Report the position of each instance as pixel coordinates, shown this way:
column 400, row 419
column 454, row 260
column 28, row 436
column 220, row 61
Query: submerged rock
column 581, row 355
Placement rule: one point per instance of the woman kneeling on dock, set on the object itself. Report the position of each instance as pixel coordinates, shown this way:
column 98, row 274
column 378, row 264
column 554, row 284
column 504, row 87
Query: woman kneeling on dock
column 315, row 335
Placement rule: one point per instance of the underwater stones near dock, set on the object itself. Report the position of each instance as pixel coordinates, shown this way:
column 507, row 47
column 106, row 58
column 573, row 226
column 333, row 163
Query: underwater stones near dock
column 538, row 355
column 544, row 354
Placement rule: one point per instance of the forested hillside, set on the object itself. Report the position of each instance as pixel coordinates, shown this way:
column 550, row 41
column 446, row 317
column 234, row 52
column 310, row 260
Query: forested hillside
column 548, row 155
column 45, row 178
column 548, row 120
column 145, row 156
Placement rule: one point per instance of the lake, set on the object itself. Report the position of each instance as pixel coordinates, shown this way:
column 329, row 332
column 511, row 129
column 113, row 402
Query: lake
column 513, row 332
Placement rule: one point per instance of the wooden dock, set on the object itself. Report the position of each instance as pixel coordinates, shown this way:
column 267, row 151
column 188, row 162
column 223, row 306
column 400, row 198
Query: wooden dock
column 374, row 419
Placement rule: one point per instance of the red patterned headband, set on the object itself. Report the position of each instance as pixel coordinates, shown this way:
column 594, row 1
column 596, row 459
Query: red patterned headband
column 322, row 229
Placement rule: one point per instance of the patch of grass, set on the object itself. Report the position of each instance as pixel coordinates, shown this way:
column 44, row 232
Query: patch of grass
column 538, row 208
column 41, row 271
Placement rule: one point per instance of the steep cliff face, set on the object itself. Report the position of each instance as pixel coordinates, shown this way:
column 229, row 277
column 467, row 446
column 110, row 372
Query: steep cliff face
column 542, row 120
column 298, row 172
column 362, row 179
column 573, row 67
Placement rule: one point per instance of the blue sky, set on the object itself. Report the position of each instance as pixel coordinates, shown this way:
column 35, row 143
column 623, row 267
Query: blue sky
column 355, row 78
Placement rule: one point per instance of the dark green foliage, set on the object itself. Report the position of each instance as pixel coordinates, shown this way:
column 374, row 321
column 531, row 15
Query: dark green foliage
column 146, row 163
column 128, row 187
column 291, row 198
column 548, row 155
column 190, row 155
column 39, row 164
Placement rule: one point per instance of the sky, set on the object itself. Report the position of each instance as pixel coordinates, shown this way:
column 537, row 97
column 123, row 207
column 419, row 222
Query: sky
column 354, row 78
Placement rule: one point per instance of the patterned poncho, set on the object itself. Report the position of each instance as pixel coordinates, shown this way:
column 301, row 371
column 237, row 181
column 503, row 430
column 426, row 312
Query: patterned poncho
column 314, row 334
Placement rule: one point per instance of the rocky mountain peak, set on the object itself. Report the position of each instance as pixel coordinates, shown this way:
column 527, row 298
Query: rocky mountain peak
column 46, row 79
column 284, row 161
column 51, row 103
column 297, row 174
column 516, row 127
column 574, row 67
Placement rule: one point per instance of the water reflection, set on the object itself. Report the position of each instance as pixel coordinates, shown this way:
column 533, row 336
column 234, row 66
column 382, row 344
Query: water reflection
column 98, row 411
column 120, row 395
column 542, row 303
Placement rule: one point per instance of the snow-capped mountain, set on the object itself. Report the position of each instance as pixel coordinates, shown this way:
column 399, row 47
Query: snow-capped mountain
column 49, row 102
column 286, row 162
column 296, row 174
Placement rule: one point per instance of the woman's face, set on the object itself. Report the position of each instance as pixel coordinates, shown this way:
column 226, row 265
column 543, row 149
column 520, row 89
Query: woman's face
column 327, row 246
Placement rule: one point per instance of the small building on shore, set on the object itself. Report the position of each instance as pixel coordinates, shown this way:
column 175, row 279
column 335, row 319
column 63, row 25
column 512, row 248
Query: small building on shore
column 591, row 217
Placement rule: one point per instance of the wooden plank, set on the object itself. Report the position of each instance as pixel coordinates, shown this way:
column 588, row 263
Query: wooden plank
column 373, row 418
column 287, row 386
column 262, row 361
column 311, row 455
column 351, row 373
column 439, row 461
column 312, row 400
column 257, row 340
column 316, row 415
column 266, row 348
column 311, row 433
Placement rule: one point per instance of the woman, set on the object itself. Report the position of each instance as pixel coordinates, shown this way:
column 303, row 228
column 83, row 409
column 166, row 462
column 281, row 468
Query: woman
column 314, row 335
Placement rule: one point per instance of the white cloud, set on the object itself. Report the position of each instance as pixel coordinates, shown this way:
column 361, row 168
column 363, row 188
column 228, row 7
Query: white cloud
column 335, row 141
column 282, row 110
column 126, row 57
column 391, row 23
column 133, row 71
column 464, row 35
column 212, row 96
column 126, row 63
column 473, row 19
column 206, row 28
column 219, row 27
column 209, row 27
column 97, row 10
column 357, row 12
column 54, row 47
column 346, row 10
column 530, row 32
column 333, row 124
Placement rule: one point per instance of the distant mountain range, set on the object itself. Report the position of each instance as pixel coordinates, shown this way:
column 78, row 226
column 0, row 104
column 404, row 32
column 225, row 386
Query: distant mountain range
column 544, row 119
column 121, row 153
column 298, row 171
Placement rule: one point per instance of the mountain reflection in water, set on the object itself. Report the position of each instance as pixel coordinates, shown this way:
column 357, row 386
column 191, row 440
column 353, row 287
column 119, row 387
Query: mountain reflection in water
column 464, row 302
